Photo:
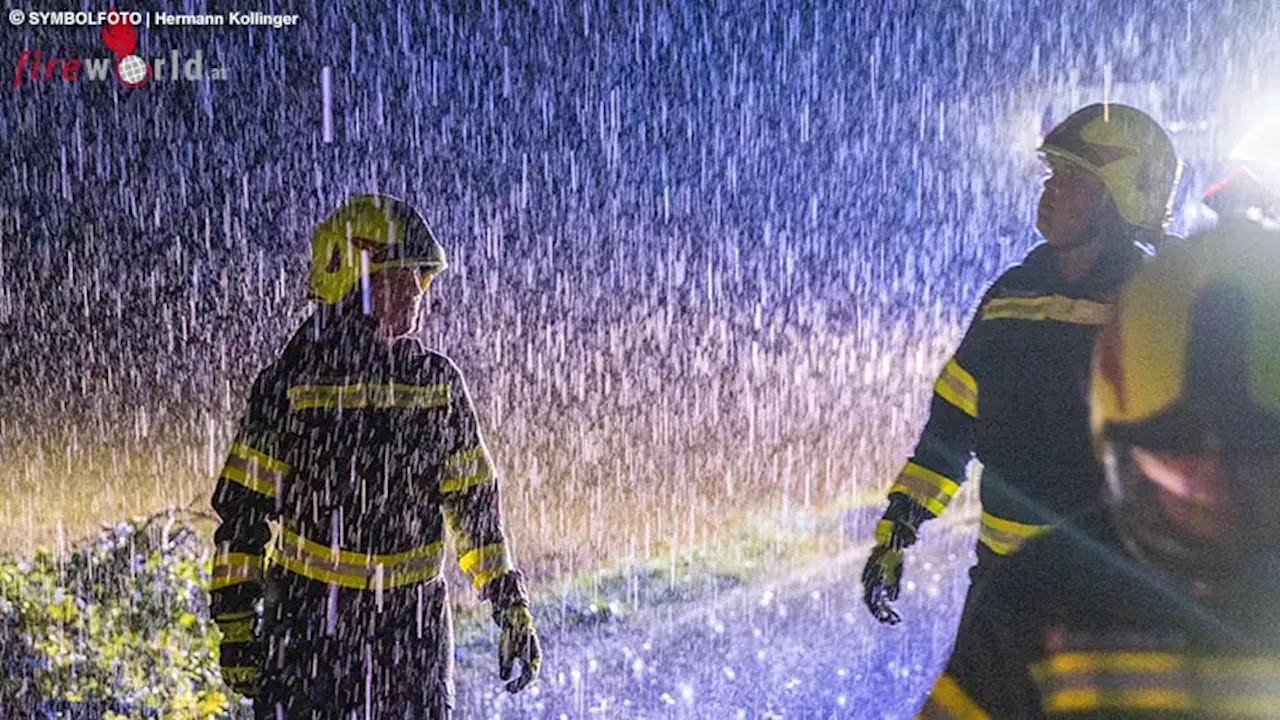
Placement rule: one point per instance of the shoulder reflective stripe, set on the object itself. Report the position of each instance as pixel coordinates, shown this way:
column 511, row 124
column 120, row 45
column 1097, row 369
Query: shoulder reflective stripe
column 930, row 489
column 364, row 571
column 1047, row 307
column 235, row 568
column 368, row 395
column 948, row 700
column 1005, row 537
column 485, row 563
column 957, row 386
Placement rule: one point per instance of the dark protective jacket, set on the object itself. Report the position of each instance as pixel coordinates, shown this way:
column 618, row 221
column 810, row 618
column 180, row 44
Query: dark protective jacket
column 1075, row 627
column 1015, row 395
column 362, row 451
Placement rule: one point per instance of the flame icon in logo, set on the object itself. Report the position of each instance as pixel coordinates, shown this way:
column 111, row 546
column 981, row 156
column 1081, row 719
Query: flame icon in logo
column 120, row 37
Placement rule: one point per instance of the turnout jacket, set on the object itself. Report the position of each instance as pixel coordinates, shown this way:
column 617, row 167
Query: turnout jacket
column 363, row 452
column 1015, row 395
column 1073, row 626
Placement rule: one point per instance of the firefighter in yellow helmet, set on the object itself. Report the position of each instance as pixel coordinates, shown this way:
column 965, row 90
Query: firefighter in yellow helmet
column 1012, row 395
column 363, row 446
column 1165, row 603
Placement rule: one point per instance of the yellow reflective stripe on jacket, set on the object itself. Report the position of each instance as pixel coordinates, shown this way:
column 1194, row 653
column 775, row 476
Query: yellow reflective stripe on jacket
column 1005, row 537
column 368, row 395
column 254, row 469
column 948, row 700
column 235, row 568
column 957, row 386
column 1073, row 682
column 362, row 571
column 466, row 469
column 1047, row 307
column 236, row 631
column 486, row 563
column 932, row 490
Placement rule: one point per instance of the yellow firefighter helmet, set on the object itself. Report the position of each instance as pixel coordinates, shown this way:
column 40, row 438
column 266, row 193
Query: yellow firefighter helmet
column 1186, row 405
column 368, row 234
column 1128, row 151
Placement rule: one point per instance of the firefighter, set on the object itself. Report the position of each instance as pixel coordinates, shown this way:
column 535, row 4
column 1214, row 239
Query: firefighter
column 1163, row 603
column 362, row 445
column 1013, row 393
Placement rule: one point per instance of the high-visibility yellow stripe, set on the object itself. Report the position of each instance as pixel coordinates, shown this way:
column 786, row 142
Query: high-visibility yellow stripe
column 1083, row 699
column 884, row 532
column 252, row 481
column 1125, row 662
column 230, row 617
column 456, row 484
column 948, row 700
column 461, row 459
column 368, row 395
column 1006, row 537
column 932, row 490
column 355, row 569
column 485, row 563
column 235, row 568
column 958, row 387
column 1056, row 308
column 1141, row 680
column 240, row 673
column 264, row 461
column 238, row 631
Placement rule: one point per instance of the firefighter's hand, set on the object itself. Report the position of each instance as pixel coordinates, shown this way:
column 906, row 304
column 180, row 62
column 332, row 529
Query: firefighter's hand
column 243, row 680
column 519, row 641
column 880, row 582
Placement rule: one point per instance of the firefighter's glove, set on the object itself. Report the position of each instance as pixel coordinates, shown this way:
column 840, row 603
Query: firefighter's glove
column 880, row 582
column 519, row 641
column 240, row 653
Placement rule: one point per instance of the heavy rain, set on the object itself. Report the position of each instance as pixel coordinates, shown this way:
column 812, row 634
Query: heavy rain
column 705, row 261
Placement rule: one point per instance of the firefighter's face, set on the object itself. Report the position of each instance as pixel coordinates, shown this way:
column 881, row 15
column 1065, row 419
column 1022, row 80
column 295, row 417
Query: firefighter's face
column 1073, row 198
column 397, row 299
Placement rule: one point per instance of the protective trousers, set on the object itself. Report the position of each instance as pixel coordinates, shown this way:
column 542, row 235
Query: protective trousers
column 333, row 653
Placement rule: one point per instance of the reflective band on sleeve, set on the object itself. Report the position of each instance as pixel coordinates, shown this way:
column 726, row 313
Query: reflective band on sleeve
column 361, row 571
column 932, row 490
column 1047, row 307
column 486, row 563
column 467, row 469
column 235, row 568
column 254, row 469
column 1005, row 537
column 957, row 386
column 1203, row 686
column 948, row 700
column 237, row 631
column 368, row 395
column 884, row 532
column 240, row 673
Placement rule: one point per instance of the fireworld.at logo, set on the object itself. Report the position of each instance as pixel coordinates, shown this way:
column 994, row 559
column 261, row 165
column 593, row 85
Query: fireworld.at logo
column 127, row 68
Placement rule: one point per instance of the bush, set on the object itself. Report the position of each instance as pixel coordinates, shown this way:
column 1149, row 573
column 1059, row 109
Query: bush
column 117, row 627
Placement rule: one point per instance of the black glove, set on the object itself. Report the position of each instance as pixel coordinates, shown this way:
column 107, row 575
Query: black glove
column 882, row 576
column 519, row 639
